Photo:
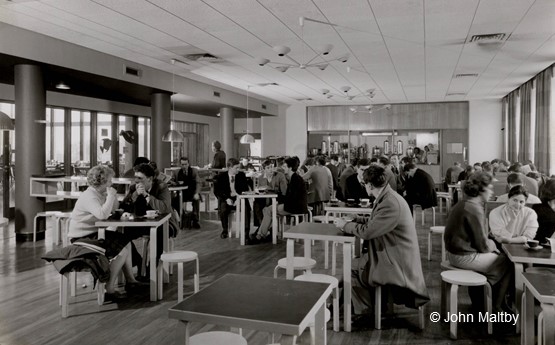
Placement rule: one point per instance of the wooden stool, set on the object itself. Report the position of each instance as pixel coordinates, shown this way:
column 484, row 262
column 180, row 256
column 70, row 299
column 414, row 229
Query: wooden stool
column 436, row 230
column 205, row 195
column 457, row 278
column 444, row 197
column 217, row 338
column 328, row 219
column 178, row 257
column 326, row 279
column 67, row 285
column 62, row 226
column 295, row 219
column 46, row 214
column 378, row 309
column 424, row 214
column 299, row 264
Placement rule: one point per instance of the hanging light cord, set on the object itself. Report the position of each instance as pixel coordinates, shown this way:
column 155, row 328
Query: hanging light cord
column 171, row 100
column 248, row 87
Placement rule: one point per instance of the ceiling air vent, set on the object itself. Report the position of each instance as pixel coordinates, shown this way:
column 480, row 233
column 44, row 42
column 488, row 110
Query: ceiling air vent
column 135, row 72
column 456, row 94
column 303, row 99
column 489, row 38
column 264, row 106
column 466, row 75
column 216, row 94
column 203, row 57
column 268, row 84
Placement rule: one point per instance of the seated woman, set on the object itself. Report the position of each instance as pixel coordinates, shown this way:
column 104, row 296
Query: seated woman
column 97, row 203
column 514, row 222
column 467, row 244
column 546, row 211
column 393, row 257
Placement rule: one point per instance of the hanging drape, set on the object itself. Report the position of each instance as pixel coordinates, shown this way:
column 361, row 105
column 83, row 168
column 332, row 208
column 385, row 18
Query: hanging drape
column 525, row 143
column 544, row 140
column 512, row 126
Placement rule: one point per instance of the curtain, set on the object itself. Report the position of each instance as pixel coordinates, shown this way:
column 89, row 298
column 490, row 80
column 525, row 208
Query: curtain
column 513, row 125
column 524, row 142
column 543, row 121
column 504, row 125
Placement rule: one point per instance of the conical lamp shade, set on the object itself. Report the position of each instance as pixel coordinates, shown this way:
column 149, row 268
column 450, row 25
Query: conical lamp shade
column 172, row 136
column 247, row 139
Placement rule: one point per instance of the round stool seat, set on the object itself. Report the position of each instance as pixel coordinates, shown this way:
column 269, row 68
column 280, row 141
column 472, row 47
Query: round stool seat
column 322, row 219
column 179, row 256
column 63, row 215
column 48, row 213
column 217, row 338
column 326, row 318
column 442, row 194
column 299, row 263
column 319, row 278
column 463, row 277
column 437, row 229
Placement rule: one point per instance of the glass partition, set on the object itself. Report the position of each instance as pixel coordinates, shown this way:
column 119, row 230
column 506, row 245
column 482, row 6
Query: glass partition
column 55, row 140
column 127, row 143
column 143, row 137
column 104, row 139
column 80, row 141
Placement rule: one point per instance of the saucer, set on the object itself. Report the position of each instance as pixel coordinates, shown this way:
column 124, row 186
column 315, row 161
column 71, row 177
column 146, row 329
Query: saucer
column 530, row 248
column 150, row 217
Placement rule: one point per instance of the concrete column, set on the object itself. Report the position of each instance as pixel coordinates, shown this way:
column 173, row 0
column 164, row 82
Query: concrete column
column 30, row 105
column 161, row 111
column 226, row 115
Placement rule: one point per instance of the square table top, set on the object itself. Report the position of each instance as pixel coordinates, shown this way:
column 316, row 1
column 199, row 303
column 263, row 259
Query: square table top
column 136, row 221
column 254, row 195
column 318, row 231
column 347, row 208
column 254, row 302
column 517, row 253
column 542, row 286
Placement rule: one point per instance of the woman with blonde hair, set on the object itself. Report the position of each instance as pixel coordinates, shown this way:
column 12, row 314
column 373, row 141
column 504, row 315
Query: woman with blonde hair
column 97, row 203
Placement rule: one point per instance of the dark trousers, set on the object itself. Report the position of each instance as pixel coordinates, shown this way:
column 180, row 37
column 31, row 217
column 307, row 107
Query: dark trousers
column 195, row 203
column 224, row 210
column 258, row 206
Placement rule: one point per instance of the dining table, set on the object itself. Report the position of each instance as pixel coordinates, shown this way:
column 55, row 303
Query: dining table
column 540, row 287
column 179, row 189
column 240, row 214
column 523, row 257
column 153, row 223
column 276, row 306
column 323, row 232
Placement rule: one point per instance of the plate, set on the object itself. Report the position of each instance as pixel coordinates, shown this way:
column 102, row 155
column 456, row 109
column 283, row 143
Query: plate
column 530, row 248
column 546, row 244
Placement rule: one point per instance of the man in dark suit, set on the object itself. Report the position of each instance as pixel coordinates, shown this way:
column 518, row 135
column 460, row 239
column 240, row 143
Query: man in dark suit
column 354, row 186
column 419, row 187
column 188, row 176
column 294, row 200
column 332, row 166
column 227, row 186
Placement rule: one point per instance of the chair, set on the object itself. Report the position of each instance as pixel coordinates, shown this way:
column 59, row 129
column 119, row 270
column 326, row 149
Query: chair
column 46, row 214
column 178, row 257
column 326, row 279
column 436, row 230
column 217, row 338
column 295, row 219
column 422, row 211
column 378, row 309
column 444, row 197
column 456, row 278
column 205, row 196
column 299, row 264
column 67, row 289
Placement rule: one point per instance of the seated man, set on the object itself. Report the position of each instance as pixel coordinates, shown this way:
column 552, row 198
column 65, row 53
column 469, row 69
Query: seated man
column 227, row 185
column 514, row 180
column 354, row 186
column 393, row 258
column 419, row 188
column 275, row 182
column 188, row 176
column 294, row 201
column 148, row 193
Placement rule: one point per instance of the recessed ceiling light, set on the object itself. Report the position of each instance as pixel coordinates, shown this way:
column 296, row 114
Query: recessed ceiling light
column 62, row 86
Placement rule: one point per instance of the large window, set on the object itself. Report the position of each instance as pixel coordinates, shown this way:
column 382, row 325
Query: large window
column 143, row 137
column 55, row 145
column 127, row 143
column 104, row 139
column 80, row 141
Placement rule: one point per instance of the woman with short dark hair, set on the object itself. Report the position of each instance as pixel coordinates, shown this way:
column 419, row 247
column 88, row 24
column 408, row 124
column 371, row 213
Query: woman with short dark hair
column 546, row 211
column 466, row 241
column 513, row 222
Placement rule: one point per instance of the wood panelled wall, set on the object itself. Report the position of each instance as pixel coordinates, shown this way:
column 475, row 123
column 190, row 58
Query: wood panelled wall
column 448, row 115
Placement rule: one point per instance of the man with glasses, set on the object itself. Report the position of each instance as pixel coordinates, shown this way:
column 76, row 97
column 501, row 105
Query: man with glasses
column 188, row 176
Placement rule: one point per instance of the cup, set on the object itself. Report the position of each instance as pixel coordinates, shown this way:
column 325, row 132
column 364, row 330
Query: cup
column 533, row 243
column 364, row 202
column 151, row 213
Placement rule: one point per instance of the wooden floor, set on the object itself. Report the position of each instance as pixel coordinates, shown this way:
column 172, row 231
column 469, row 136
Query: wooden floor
column 29, row 311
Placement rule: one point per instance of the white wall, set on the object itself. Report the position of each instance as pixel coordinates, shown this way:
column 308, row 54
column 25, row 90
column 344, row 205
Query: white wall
column 296, row 134
column 274, row 134
column 485, row 138
column 240, row 125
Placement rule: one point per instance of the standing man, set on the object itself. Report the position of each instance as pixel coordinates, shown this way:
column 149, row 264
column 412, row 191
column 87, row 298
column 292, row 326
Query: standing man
column 219, row 156
column 332, row 166
column 350, row 169
column 452, row 174
column 321, row 183
column 391, row 177
column 227, row 186
column 188, row 176
column 419, row 187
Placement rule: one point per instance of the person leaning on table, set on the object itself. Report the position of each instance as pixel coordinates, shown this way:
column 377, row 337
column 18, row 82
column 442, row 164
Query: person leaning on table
column 513, row 222
column 97, row 203
column 468, row 246
column 393, row 257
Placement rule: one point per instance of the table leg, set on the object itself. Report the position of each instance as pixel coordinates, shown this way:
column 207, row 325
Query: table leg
column 527, row 319
column 242, row 225
column 290, row 254
column 180, row 208
column 320, row 326
column 308, row 249
column 101, row 233
column 166, row 248
column 182, row 333
column 238, row 212
column 287, row 340
column 548, row 322
column 347, row 286
column 274, row 221
column 153, row 275
column 519, row 286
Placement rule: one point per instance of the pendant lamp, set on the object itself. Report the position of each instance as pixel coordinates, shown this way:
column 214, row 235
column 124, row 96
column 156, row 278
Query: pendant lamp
column 172, row 135
column 247, row 138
